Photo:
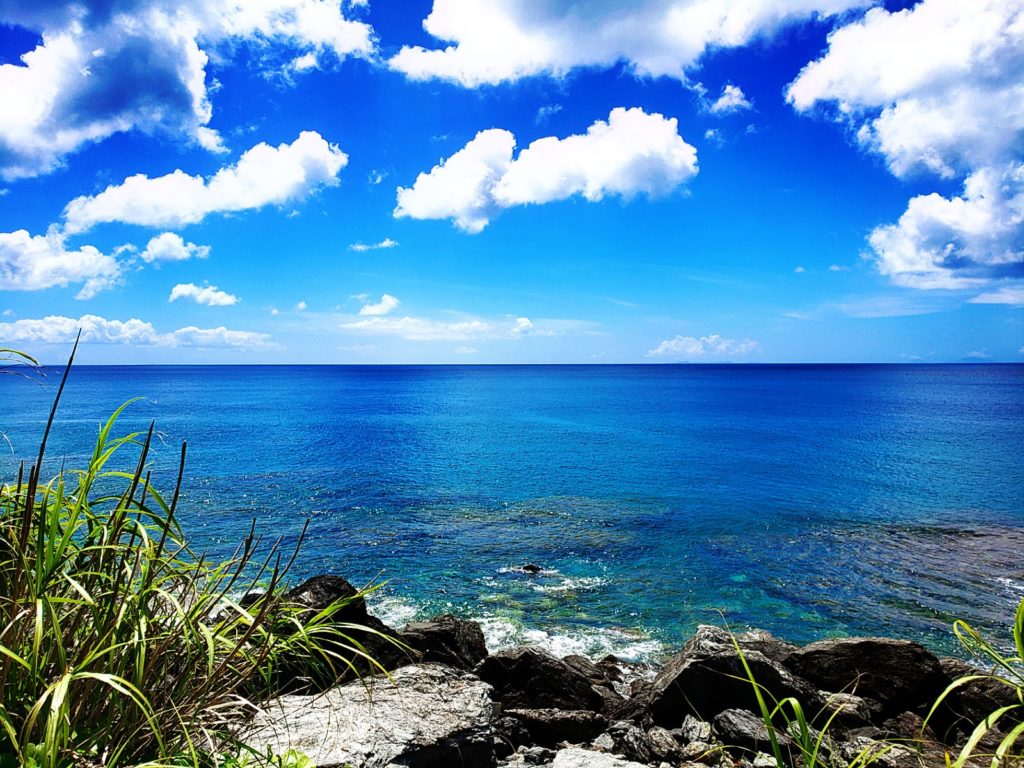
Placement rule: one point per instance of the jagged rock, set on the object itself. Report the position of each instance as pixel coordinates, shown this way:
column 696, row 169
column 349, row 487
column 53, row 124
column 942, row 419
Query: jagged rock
column 548, row 727
column 707, row 677
column 630, row 741
column 430, row 716
column 745, row 730
column 851, row 711
column 662, row 745
column 377, row 639
column 693, row 729
column 447, row 640
column 765, row 643
column 603, row 679
column 899, row 674
column 529, row 678
column 885, row 755
column 970, row 703
column 701, row 752
column 575, row 757
column 603, row 743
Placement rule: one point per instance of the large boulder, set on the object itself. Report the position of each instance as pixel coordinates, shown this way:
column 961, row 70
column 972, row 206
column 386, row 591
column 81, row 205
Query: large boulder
column 364, row 643
column 708, row 677
column 426, row 716
column 447, row 640
column 530, row 678
column 899, row 674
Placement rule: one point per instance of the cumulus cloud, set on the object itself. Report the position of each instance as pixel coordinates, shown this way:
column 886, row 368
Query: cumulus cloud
column 386, row 304
column 936, row 88
column 633, row 152
column 171, row 247
column 958, row 242
column 732, row 100
column 34, row 262
column 495, row 41
column 109, row 67
column 264, row 175
column 208, row 295
column 689, row 347
column 57, row 329
column 387, row 242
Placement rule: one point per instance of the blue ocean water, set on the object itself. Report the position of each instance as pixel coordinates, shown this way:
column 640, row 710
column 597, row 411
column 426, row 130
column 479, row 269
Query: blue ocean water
column 808, row 500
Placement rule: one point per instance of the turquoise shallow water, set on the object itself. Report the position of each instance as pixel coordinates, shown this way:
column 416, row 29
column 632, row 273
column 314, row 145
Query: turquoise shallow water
column 808, row 500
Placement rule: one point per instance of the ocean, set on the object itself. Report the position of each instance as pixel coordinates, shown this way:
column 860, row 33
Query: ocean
column 808, row 500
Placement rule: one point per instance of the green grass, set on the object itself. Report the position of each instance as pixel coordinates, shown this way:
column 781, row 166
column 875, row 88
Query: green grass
column 1005, row 669
column 120, row 646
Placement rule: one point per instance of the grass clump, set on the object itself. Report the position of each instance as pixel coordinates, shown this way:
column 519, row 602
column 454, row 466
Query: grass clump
column 118, row 645
column 1006, row 669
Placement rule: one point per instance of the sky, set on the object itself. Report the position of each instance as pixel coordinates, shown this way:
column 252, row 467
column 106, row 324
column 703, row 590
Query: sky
column 512, row 181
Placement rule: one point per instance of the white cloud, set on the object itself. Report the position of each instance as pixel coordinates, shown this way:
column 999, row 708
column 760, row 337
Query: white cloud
column 463, row 329
column 170, row 247
column 264, row 175
column 386, row 304
column 494, row 41
column 301, row 306
column 57, row 329
column 208, row 295
column 460, row 188
column 958, row 242
column 633, row 152
column 104, row 68
column 1007, row 294
column 34, row 262
column 838, row 268
column 688, row 347
column 936, row 87
column 387, row 242
column 800, row 270
column 732, row 100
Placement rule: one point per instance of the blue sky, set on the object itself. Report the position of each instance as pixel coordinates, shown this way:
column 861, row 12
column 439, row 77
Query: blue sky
column 488, row 181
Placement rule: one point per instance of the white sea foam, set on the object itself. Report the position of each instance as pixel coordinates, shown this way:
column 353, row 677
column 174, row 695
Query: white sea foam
column 570, row 584
column 394, row 611
column 501, row 632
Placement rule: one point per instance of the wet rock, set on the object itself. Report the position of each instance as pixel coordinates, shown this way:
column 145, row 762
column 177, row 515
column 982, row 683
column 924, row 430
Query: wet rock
column 531, row 568
column 575, row 757
column 603, row 678
column 899, row 674
column 548, row 727
column 745, row 730
column 707, row 677
column 430, row 716
column 447, row 640
column 529, row 678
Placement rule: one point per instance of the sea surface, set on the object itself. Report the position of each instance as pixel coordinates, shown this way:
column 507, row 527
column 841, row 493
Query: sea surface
column 811, row 501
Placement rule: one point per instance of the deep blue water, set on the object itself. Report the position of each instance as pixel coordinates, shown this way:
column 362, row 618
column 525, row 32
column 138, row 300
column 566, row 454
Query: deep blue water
column 808, row 500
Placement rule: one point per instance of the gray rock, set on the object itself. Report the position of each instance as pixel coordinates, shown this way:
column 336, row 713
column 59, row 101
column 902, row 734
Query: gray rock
column 662, row 745
column 745, row 730
column 886, row 755
column 548, row 727
column 972, row 702
column 901, row 675
column 707, row 677
column 530, row 678
column 604, row 743
column 447, row 640
column 574, row 757
column 850, row 711
column 430, row 716
column 693, row 729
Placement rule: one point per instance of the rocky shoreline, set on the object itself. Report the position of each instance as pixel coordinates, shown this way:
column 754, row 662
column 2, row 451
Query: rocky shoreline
column 447, row 702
